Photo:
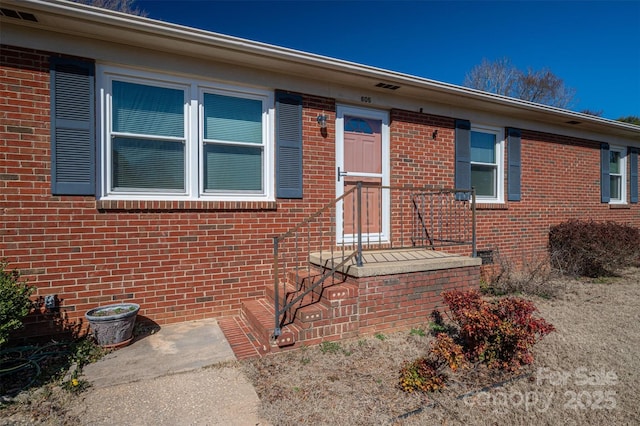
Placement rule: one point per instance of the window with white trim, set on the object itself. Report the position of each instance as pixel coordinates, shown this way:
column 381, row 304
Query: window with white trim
column 233, row 143
column 617, row 177
column 169, row 138
column 487, row 164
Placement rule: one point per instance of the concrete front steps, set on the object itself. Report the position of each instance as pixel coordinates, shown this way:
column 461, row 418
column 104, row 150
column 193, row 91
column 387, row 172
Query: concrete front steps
column 357, row 301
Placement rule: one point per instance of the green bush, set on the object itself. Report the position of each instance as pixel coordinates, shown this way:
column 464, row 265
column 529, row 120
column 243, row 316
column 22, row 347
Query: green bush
column 593, row 249
column 14, row 301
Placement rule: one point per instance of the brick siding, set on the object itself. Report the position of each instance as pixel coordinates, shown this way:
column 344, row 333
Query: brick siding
column 191, row 260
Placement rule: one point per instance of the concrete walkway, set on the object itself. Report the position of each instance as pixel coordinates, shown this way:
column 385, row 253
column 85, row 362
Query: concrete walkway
column 182, row 375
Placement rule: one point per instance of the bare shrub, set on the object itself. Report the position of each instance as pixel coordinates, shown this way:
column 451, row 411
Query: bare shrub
column 531, row 276
column 593, row 249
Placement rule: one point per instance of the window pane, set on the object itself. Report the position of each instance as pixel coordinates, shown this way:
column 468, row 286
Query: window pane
column 361, row 125
column 232, row 168
column 232, row 119
column 483, row 147
column 147, row 110
column 616, row 185
column 614, row 162
column 483, row 179
column 148, row 164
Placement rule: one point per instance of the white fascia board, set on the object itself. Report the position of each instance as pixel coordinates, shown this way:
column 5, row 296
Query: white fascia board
column 87, row 21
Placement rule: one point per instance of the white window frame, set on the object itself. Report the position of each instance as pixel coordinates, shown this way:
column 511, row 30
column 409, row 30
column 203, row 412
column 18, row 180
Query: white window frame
column 194, row 131
column 499, row 149
column 623, row 175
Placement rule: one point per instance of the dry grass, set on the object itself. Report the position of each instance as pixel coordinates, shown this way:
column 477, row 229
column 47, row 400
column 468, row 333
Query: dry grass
column 356, row 382
column 46, row 405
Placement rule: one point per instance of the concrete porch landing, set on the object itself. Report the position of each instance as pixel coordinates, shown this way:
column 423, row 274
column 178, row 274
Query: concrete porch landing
column 395, row 261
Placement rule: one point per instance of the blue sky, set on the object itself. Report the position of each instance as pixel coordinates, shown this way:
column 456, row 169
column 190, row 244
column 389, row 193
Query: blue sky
column 594, row 46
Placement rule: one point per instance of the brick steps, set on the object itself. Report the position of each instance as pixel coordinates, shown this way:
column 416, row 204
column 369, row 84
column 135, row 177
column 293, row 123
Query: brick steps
column 309, row 321
column 342, row 309
column 260, row 316
column 309, row 308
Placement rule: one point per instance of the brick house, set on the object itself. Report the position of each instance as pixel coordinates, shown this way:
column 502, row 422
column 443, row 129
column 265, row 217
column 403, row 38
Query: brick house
column 150, row 162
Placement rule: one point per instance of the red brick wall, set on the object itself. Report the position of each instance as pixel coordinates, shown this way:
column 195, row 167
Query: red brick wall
column 192, row 260
column 399, row 302
column 416, row 157
column 179, row 261
column 560, row 181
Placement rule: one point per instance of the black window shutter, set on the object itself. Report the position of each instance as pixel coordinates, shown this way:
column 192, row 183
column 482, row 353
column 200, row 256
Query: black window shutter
column 514, row 146
column 463, row 156
column 633, row 176
column 73, row 168
column 288, row 145
column 605, row 188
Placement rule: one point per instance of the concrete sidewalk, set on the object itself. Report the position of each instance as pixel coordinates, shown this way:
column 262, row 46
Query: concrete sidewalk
column 181, row 375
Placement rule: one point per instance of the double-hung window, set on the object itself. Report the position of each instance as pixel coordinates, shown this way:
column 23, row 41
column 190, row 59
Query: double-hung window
column 169, row 138
column 617, row 180
column 487, row 163
column 233, row 144
column 148, row 138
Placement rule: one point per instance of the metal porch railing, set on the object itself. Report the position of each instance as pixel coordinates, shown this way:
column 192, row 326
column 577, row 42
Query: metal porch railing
column 366, row 217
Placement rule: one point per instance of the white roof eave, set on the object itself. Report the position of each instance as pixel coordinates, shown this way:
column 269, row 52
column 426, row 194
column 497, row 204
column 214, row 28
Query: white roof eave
column 77, row 19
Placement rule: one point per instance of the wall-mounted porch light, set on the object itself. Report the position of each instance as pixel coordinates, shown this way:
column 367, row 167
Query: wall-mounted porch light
column 322, row 120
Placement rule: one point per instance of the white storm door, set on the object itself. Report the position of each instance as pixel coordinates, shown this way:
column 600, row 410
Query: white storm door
column 362, row 155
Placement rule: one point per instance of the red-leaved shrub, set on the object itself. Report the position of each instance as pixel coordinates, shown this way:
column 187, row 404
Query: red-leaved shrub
column 499, row 333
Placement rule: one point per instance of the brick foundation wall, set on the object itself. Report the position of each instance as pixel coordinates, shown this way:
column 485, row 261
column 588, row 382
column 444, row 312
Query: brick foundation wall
column 191, row 260
column 398, row 302
column 385, row 303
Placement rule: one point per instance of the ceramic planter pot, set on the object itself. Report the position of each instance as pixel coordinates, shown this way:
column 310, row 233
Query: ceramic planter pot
column 112, row 325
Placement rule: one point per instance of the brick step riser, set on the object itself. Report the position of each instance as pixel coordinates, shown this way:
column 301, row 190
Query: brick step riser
column 261, row 333
column 307, row 309
column 307, row 278
column 338, row 313
column 290, row 294
column 313, row 306
column 307, row 312
column 261, row 321
column 328, row 291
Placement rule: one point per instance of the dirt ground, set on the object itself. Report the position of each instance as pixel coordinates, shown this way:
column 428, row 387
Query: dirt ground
column 587, row 372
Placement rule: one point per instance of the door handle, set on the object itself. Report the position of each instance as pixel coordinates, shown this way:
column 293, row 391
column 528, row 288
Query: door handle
column 341, row 173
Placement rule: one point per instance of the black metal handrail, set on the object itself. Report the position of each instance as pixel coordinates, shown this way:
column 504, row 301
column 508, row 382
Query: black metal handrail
column 437, row 219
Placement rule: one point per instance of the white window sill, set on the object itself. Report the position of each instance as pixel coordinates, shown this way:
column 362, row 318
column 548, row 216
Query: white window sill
column 183, row 205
